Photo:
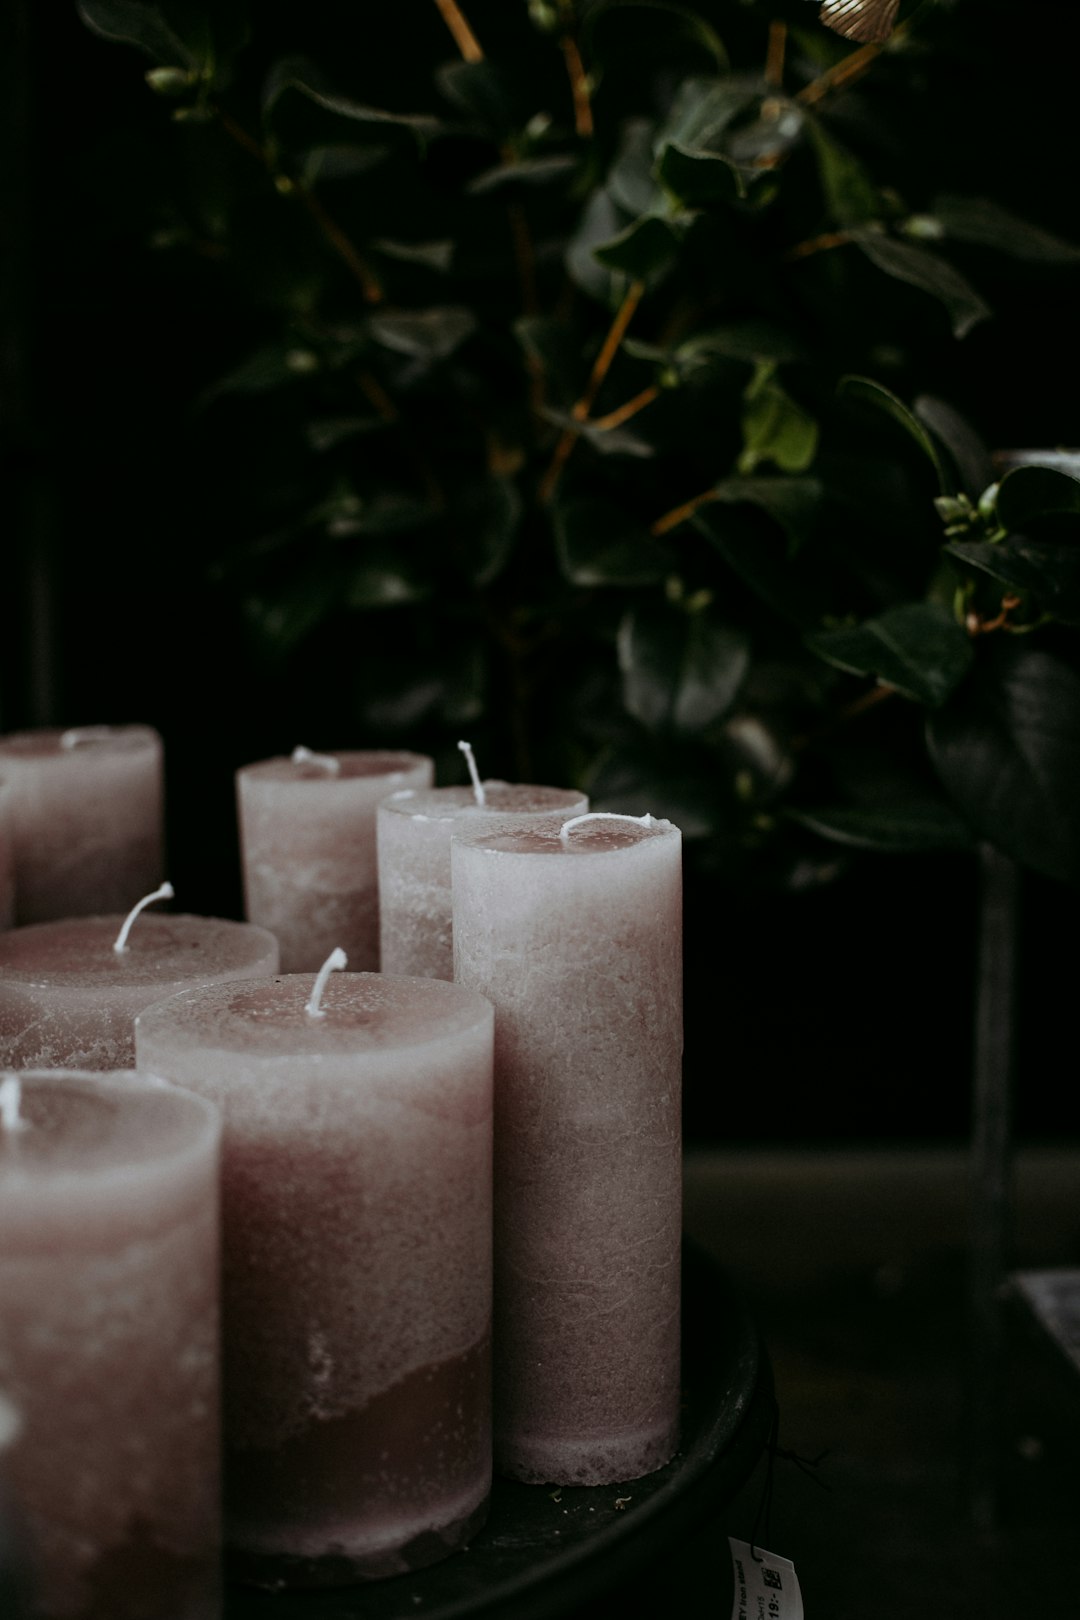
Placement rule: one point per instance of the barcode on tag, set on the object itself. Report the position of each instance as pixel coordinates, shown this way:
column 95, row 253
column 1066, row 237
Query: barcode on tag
column 766, row 1585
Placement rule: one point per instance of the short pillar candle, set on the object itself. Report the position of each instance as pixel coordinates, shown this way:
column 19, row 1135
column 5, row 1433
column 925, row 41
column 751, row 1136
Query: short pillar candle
column 576, row 939
column 414, row 832
column 357, row 1264
column 7, row 859
column 109, row 1267
column 87, row 818
column 307, row 846
column 68, row 997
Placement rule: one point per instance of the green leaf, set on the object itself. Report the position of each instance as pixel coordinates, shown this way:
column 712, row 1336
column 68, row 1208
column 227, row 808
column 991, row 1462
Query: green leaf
column 704, row 109
column 424, row 334
column 917, row 648
column 988, row 224
column 128, row 22
column 851, row 196
column 438, row 255
column 681, row 671
column 900, row 829
column 697, row 177
column 297, row 73
column 872, row 393
column 1028, row 494
column 970, row 456
column 383, row 576
column 775, row 428
column 537, row 171
column 599, row 544
column 645, row 251
column 1007, row 751
column 914, row 265
column 481, row 90
column 630, row 181
column 1048, row 574
column 600, row 221
column 488, row 521
column 752, row 340
column 270, row 367
column 793, row 503
column 605, row 441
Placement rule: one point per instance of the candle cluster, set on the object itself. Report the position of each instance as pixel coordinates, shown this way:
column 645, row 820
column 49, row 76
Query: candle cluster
column 433, row 1080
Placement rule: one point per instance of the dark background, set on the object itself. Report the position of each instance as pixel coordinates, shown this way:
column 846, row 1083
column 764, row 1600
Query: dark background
column 841, row 1014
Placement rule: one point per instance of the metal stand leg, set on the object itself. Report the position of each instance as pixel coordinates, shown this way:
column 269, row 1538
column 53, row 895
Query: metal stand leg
column 991, row 1172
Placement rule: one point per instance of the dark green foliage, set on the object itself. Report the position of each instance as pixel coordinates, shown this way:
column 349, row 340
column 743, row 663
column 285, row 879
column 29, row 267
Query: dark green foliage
column 604, row 415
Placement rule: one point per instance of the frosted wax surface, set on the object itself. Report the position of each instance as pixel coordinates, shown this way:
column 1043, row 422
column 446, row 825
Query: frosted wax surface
column 414, row 833
column 109, row 1345
column 307, row 844
column 68, row 1000
column 7, row 859
column 357, row 1221
column 87, row 819
column 578, row 944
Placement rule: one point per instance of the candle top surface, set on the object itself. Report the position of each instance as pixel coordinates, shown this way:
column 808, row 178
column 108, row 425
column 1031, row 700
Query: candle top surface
column 77, row 1126
column 501, row 798
column 597, row 835
column 351, row 764
column 364, row 1012
column 78, row 951
column 56, row 744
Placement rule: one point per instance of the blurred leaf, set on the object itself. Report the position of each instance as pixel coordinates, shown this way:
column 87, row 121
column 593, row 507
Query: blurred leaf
column 760, row 553
column 905, row 262
column 775, row 428
column 536, row 171
column 488, row 522
column 987, row 224
column 297, row 73
column 339, row 162
column 600, row 221
column 645, row 251
column 327, row 432
column 270, row 367
column 1007, row 750
column 599, row 544
column 605, row 441
column 1049, row 575
column 681, row 671
column 851, row 195
column 384, row 576
column 793, row 503
column 551, row 343
column 900, row 829
column 751, row 340
column 697, row 177
column 704, row 109
column 630, row 181
column 423, row 334
column 431, row 255
column 129, row 22
column 970, row 456
column 682, row 18
column 282, row 616
column 481, row 90
column 1028, row 494
column 872, row 393
column 917, row 648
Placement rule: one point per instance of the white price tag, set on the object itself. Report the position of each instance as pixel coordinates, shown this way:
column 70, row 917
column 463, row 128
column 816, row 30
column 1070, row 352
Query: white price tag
column 766, row 1586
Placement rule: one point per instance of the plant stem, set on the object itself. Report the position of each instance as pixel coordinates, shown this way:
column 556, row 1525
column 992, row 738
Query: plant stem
column 331, row 230
column 601, row 367
column 579, row 84
column 623, row 413
column 679, row 514
column 850, row 67
column 464, row 38
column 774, row 57
column 819, row 244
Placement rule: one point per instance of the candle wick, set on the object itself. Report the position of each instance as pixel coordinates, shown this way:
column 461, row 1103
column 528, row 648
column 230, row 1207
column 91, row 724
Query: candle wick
column 164, row 893
column 326, row 762
column 336, row 960
column 10, row 1101
column 474, row 774
column 603, row 815
column 84, row 734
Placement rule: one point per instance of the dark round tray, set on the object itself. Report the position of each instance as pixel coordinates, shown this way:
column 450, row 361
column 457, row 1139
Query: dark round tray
column 545, row 1552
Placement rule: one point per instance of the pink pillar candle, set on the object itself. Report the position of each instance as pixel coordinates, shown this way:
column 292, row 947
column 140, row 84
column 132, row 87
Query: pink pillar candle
column 68, row 999
column 7, row 859
column 86, row 818
column 357, row 1271
column 109, row 1268
column 414, row 832
column 307, row 845
column 576, row 939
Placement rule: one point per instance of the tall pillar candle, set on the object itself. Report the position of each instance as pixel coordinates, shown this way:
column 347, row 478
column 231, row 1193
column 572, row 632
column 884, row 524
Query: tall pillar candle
column 109, row 1272
column 414, row 832
column 576, row 939
column 86, row 814
column 7, row 859
column 68, row 997
column 307, row 845
column 357, row 1267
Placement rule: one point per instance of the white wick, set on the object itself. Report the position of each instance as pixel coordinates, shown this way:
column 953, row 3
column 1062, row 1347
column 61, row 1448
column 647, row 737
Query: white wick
column 603, row 815
column 164, row 893
column 337, row 959
column 10, row 1099
column 474, row 774
column 327, row 762
column 84, row 734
